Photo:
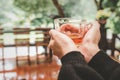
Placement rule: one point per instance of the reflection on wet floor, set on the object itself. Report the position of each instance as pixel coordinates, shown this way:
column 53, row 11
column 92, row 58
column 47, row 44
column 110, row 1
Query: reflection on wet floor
column 42, row 71
column 39, row 68
column 22, row 55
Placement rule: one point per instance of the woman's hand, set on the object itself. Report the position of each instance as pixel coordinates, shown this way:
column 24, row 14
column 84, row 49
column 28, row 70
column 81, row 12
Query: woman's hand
column 61, row 44
column 89, row 46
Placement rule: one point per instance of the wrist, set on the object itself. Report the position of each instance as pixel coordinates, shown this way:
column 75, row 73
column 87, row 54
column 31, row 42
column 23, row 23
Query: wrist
column 89, row 51
column 68, row 51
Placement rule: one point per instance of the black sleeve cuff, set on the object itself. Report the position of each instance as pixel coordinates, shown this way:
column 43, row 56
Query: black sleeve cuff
column 101, row 59
column 103, row 64
column 72, row 58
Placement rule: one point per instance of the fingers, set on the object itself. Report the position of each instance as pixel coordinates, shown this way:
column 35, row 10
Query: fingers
column 95, row 25
column 69, row 27
column 50, row 43
column 93, row 34
column 59, row 41
column 57, row 37
column 55, row 34
column 95, row 28
column 84, row 28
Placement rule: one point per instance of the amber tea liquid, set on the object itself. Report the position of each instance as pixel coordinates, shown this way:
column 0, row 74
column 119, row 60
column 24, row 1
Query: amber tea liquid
column 76, row 37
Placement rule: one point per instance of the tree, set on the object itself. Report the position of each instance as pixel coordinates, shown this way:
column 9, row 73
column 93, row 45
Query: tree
column 112, row 22
column 78, row 8
column 39, row 10
column 43, row 9
column 59, row 8
column 112, row 6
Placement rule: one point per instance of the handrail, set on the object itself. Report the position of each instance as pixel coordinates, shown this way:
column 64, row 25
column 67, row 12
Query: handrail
column 24, row 30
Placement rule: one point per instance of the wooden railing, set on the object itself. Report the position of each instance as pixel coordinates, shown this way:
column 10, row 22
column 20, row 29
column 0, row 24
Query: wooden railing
column 108, row 44
column 37, row 67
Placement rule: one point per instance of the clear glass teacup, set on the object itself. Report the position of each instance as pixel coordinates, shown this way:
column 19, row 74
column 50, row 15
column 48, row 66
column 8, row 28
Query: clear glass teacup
column 72, row 27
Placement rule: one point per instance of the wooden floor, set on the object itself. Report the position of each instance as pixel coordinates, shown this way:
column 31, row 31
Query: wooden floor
column 42, row 71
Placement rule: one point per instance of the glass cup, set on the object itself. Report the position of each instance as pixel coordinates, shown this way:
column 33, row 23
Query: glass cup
column 72, row 28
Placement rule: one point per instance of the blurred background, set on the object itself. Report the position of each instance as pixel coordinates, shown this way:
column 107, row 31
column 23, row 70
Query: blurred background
column 24, row 27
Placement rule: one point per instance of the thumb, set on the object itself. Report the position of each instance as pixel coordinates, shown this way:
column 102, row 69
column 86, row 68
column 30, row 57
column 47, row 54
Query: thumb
column 57, row 35
column 53, row 33
column 95, row 28
column 93, row 32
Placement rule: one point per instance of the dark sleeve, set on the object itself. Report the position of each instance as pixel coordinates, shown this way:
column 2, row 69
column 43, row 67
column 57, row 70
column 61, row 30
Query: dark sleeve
column 74, row 67
column 105, row 66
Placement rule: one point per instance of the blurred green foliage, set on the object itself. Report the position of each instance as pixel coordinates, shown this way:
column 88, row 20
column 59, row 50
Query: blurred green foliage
column 114, row 20
column 39, row 12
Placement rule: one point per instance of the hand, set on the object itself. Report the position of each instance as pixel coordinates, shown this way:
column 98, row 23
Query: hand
column 61, row 44
column 70, row 29
column 89, row 46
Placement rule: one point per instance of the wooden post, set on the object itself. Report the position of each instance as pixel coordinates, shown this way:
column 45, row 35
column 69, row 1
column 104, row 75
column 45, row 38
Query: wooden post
column 113, row 44
column 103, row 44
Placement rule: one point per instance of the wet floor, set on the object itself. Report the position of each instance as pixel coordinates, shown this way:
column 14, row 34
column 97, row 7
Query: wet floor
column 43, row 70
